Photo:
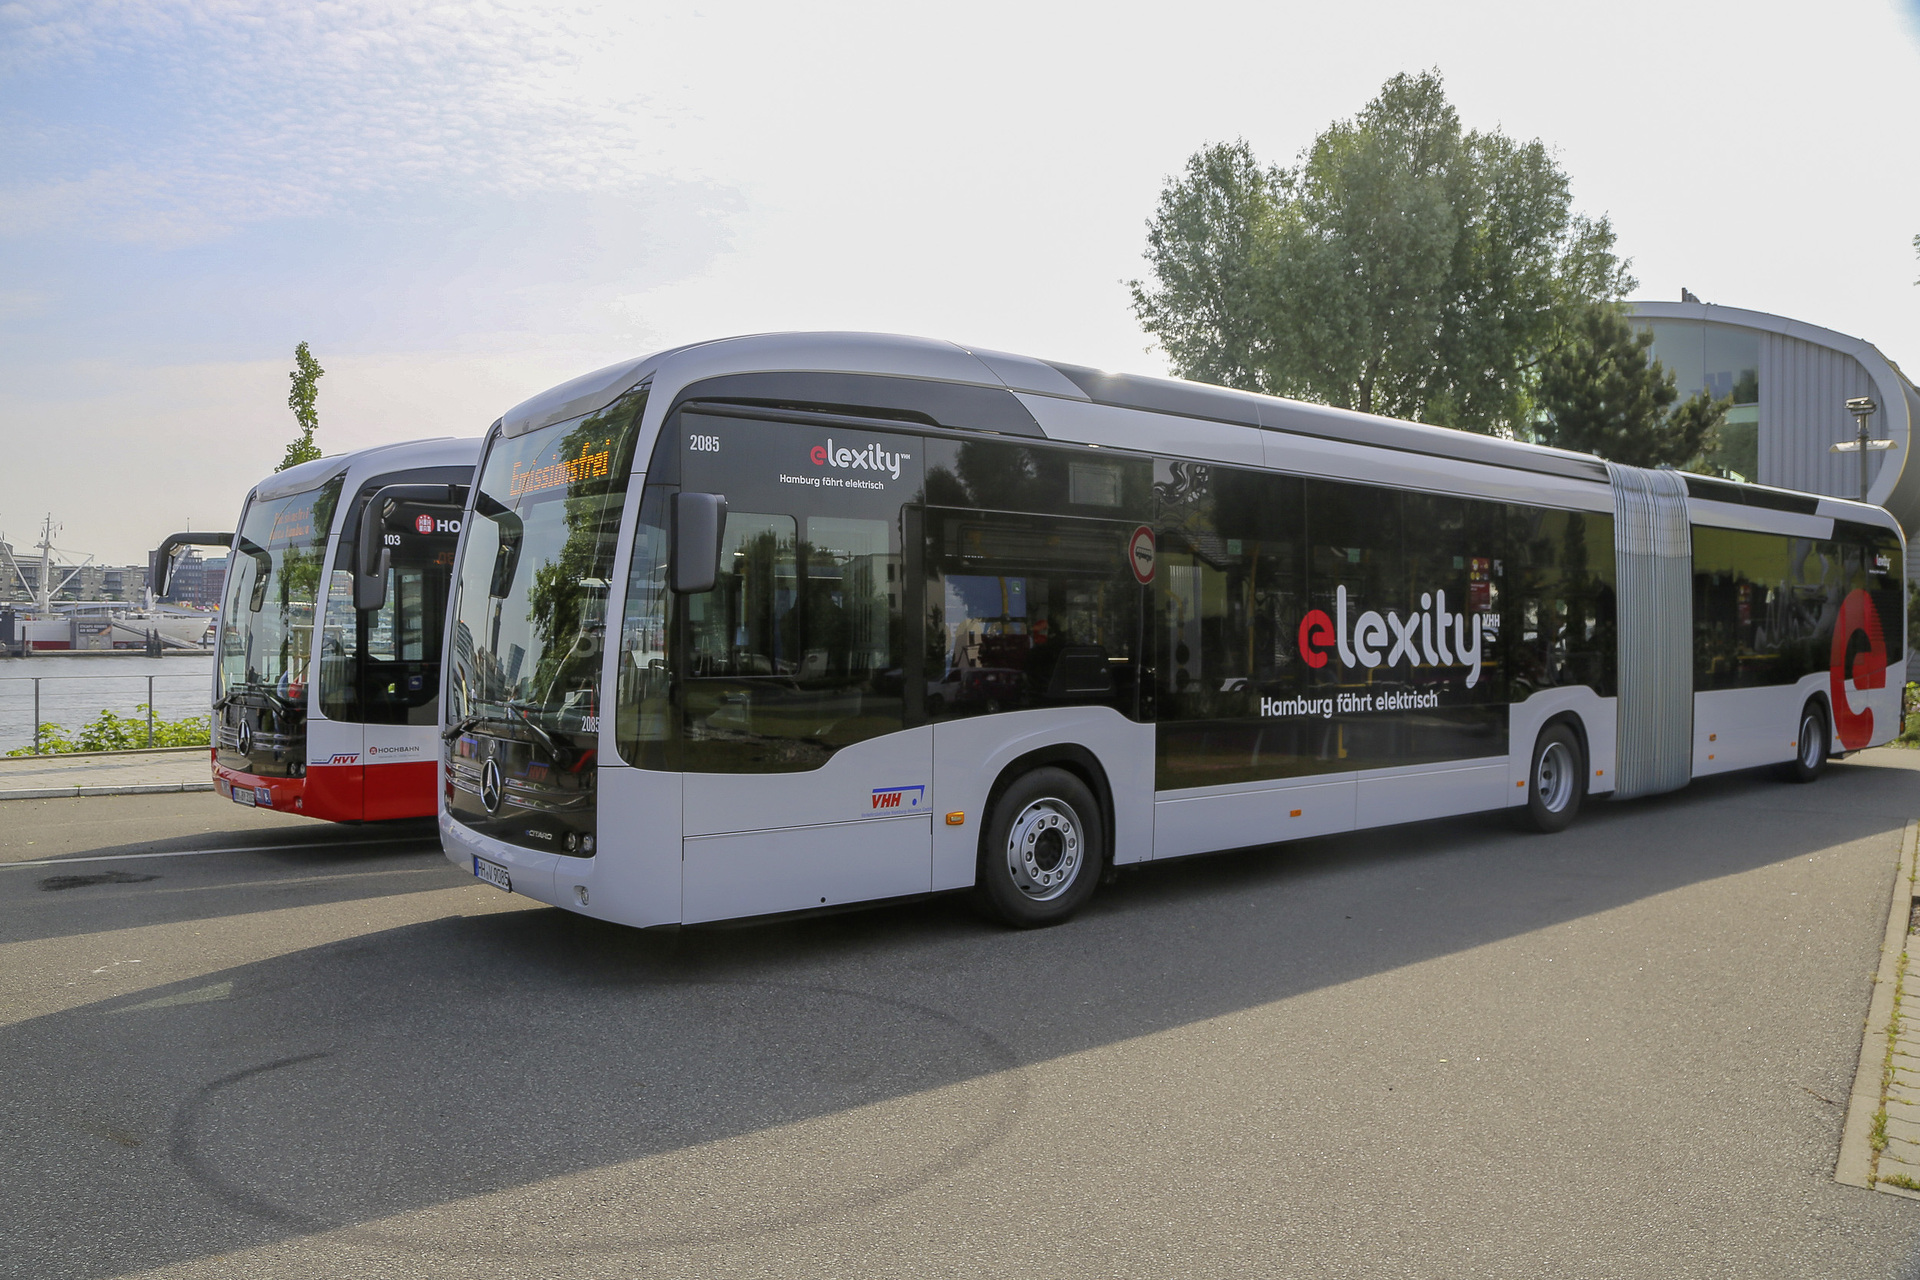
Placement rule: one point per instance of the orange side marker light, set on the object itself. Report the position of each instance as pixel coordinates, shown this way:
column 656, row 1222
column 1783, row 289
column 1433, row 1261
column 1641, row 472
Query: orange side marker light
column 1521, row 783
column 956, row 818
column 1293, row 813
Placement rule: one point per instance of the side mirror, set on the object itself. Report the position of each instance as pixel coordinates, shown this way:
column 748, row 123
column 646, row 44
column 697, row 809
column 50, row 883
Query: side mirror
column 699, row 520
column 370, row 553
column 161, row 575
column 370, row 558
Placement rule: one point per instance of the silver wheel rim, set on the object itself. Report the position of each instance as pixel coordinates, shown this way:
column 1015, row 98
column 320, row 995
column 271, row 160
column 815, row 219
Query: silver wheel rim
column 1553, row 777
column 1045, row 849
column 1810, row 743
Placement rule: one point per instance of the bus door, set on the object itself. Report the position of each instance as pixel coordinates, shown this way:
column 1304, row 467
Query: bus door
column 1026, row 612
column 374, row 751
column 804, row 785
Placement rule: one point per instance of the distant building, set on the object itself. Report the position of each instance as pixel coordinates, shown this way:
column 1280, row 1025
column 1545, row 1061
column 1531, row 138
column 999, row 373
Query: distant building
column 1790, row 384
column 197, row 582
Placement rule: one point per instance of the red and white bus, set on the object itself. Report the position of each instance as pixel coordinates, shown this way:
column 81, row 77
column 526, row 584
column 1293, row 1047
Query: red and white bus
column 327, row 671
column 773, row 624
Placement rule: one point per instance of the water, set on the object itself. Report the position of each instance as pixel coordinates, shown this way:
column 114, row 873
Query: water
column 182, row 687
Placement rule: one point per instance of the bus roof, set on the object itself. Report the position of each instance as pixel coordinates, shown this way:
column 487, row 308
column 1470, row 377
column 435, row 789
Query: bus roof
column 897, row 356
column 311, row 475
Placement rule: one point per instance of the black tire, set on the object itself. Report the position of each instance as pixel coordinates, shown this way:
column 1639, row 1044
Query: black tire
column 1811, row 743
column 1556, row 781
column 1043, row 851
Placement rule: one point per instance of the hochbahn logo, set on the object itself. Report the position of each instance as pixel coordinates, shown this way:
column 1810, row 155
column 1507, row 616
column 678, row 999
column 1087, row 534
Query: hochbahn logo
column 1432, row 637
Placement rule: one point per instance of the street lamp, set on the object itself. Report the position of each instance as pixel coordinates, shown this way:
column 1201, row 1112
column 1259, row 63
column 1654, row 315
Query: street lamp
column 1862, row 408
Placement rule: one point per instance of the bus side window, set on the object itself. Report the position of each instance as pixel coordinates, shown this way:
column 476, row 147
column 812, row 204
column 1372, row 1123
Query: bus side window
column 1559, row 608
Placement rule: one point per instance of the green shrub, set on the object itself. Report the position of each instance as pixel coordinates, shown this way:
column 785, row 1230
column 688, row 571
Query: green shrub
column 111, row 732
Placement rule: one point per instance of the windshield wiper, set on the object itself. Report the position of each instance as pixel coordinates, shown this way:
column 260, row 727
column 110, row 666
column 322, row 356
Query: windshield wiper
column 558, row 752
column 459, row 727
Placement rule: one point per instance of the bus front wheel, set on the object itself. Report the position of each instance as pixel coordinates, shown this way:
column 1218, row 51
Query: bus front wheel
column 1556, row 780
column 1043, row 852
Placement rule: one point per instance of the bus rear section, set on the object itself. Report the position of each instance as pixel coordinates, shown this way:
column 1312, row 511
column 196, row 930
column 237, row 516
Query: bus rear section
column 328, row 670
column 732, row 640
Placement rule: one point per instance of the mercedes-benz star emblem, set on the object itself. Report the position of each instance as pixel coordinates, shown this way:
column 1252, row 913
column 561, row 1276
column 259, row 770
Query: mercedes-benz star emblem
column 246, row 738
column 490, row 785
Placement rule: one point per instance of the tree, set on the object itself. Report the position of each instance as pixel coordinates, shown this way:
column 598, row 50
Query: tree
column 306, row 377
column 1209, row 244
column 1601, row 393
column 1403, row 266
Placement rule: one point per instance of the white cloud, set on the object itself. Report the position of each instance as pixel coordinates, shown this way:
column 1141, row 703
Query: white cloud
column 265, row 110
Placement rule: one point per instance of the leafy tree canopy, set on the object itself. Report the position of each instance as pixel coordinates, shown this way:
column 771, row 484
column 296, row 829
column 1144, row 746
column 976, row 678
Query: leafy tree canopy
column 1403, row 266
column 1600, row 393
column 305, row 376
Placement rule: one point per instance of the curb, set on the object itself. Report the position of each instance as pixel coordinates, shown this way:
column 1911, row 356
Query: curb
column 1855, row 1166
column 70, row 793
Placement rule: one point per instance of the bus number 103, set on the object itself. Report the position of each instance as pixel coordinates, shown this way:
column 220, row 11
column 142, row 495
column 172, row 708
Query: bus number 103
column 704, row 444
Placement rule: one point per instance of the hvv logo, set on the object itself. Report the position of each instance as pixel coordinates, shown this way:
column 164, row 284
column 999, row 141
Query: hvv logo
column 902, row 799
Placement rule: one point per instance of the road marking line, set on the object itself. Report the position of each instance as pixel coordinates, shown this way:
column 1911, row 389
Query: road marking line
column 192, row 853
column 200, row 995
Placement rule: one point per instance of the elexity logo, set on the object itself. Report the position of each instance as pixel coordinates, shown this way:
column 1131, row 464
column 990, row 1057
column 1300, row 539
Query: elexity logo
column 871, row 458
column 1385, row 639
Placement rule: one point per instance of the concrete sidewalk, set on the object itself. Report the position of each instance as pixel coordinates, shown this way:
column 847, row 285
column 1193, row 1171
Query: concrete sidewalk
column 106, row 773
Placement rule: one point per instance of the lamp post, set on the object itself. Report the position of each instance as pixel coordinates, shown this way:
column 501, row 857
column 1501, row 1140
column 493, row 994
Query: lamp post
column 1862, row 408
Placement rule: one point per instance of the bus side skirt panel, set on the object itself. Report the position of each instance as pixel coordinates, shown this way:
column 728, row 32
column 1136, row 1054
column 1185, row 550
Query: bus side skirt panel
column 335, row 792
column 636, row 879
column 1208, row 819
column 400, row 790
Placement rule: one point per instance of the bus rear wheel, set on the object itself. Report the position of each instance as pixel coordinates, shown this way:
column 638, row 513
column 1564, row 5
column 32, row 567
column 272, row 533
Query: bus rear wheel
column 1043, row 852
column 1556, row 780
column 1810, row 744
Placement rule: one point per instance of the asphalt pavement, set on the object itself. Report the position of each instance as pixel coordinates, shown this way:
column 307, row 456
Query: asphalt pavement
column 284, row 1049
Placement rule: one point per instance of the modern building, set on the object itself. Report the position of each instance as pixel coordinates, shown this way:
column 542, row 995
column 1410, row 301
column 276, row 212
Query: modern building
column 1790, row 382
column 197, row 582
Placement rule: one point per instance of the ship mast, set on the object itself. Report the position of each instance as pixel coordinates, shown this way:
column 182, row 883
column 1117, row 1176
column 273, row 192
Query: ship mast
column 46, row 588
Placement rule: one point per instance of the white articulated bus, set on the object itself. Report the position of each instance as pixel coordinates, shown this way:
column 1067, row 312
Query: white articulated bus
column 326, row 682
column 778, row 623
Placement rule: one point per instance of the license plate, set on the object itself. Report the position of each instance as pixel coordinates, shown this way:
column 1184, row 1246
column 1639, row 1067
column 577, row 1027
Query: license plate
column 493, row 873
column 243, row 795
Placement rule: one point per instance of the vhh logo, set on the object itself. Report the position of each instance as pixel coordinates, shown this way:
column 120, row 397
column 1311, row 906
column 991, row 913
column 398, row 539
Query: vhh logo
column 898, row 798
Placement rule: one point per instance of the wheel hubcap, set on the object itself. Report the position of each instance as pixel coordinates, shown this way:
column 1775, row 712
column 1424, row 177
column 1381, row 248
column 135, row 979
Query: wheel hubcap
column 1045, row 849
column 1810, row 743
column 1553, row 777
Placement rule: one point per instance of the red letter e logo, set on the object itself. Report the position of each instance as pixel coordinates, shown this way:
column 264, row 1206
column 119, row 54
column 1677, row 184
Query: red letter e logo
column 1315, row 629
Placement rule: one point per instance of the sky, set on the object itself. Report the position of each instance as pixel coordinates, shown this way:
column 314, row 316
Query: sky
column 460, row 204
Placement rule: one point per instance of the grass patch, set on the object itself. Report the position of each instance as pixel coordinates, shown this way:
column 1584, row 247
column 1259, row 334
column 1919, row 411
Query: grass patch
column 1877, row 1139
column 1901, row 1181
column 1909, row 715
column 110, row 732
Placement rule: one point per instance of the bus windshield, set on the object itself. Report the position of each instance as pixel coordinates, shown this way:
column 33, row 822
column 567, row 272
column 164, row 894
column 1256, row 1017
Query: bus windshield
column 528, row 620
column 272, row 584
